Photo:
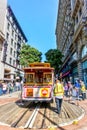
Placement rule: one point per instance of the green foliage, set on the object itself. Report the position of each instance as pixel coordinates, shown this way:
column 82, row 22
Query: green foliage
column 54, row 57
column 29, row 54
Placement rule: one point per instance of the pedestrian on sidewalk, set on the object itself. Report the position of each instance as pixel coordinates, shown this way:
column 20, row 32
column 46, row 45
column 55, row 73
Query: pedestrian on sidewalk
column 58, row 93
column 1, row 88
column 4, row 87
column 75, row 96
column 83, row 90
column 77, row 86
column 70, row 86
column 66, row 89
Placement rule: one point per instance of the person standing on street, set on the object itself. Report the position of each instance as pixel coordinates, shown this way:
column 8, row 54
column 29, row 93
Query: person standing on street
column 83, row 90
column 58, row 93
column 66, row 89
column 1, row 88
column 77, row 86
column 70, row 86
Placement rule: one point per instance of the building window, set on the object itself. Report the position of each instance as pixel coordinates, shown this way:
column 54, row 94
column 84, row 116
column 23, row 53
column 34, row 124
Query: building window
column 8, row 26
column 12, row 42
column 84, row 65
column 10, row 61
column 14, row 53
column 74, row 56
column 13, row 62
column 15, row 36
column 15, row 45
column 11, row 50
column 84, row 51
column 0, row 47
column 7, row 36
column 76, row 20
column 86, row 4
column 13, row 33
column 72, row 4
column 80, row 12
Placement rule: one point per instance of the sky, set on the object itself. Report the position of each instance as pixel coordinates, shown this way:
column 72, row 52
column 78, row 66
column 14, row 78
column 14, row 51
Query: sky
column 37, row 19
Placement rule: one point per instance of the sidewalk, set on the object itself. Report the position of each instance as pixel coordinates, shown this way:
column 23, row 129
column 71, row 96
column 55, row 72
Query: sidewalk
column 81, row 125
column 13, row 94
column 12, row 97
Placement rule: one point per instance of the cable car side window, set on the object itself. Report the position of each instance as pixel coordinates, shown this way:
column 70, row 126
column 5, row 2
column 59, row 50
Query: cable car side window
column 29, row 78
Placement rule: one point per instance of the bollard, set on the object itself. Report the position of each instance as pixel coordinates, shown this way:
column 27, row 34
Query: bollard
column 75, row 122
column 52, row 128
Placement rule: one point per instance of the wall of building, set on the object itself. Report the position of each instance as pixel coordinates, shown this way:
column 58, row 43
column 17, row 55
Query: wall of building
column 13, row 38
column 3, row 6
column 76, row 40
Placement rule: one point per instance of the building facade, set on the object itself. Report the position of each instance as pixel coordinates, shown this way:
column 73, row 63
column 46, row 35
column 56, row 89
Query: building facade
column 71, row 38
column 3, row 6
column 13, row 40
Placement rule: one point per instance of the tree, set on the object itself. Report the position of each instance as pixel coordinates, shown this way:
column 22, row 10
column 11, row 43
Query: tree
column 29, row 54
column 54, row 57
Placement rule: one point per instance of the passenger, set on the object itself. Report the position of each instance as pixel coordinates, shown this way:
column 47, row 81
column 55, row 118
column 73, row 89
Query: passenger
column 58, row 93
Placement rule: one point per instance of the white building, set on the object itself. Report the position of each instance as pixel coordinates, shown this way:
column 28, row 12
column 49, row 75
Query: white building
column 14, row 38
column 3, row 6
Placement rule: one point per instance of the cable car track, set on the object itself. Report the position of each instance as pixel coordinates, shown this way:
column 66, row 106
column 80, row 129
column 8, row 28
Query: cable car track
column 31, row 120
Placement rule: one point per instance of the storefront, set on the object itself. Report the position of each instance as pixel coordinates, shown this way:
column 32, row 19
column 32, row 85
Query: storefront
column 66, row 76
column 84, row 64
column 84, row 72
column 74, row 74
